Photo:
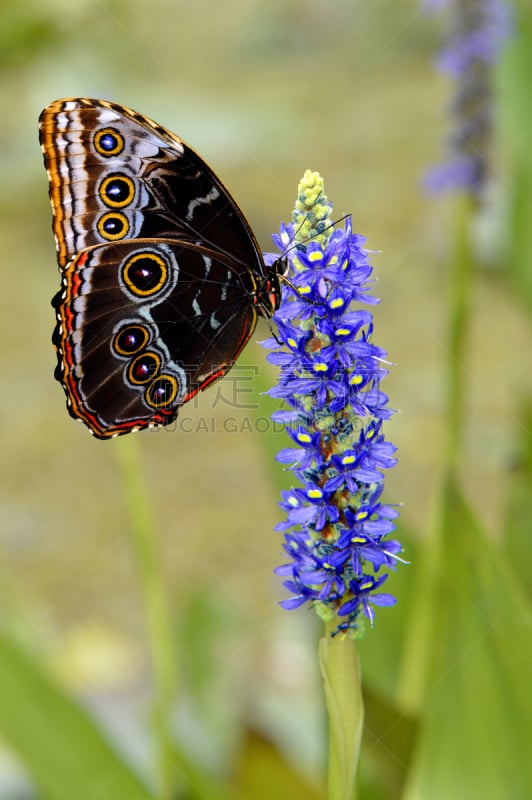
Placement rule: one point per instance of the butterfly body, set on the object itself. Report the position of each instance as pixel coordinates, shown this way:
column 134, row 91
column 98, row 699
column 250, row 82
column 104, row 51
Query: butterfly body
column 162, row 278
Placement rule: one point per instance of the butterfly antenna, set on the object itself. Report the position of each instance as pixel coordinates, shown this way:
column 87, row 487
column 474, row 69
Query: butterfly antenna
column 274, row 333
column 293, row 246
column 282, row 276
column 305, row 218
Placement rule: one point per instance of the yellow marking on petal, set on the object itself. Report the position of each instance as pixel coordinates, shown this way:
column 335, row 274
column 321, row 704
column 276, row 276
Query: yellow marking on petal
column 327, row 565
column 314, row 494
column 345, row 264
column 356, row 380
column 338, row 302
column 361, row 515
column 366, row 585
column 316, row 255
column 342, row 331
column 291, row 342
column 304, row 437
column 370, row 434
column 319, row 367
column 304, row 289
column 293, row 502
column 348, row 460
column 358, row 540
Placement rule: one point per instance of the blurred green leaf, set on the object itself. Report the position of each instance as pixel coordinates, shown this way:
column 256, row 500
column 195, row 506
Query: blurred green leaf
column 62, row 749
column 518, row 522
column 387, row 747
column 25, row 30
column 381, row 648
column 520, row 233
column 209, row 630
column 198, row 783
column 475, row 735
column 389, row 732
column 262, row 773
column 516, row 121
column 513, row 83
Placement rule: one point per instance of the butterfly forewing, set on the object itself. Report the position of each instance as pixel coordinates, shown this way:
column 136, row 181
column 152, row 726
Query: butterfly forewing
column 117, row 175
column 162, row 276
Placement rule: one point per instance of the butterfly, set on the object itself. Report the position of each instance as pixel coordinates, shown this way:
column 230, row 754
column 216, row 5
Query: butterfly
column 162, row 277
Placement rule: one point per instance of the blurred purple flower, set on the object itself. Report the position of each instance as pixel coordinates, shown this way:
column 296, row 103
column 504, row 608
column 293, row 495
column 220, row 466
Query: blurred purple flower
column 477, row 30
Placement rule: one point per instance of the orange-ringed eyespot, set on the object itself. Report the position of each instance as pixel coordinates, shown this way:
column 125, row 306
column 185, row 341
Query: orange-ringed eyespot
column 144, row 368
column 162, row 391
column 108, row 142
column 144, row 274
column 117, row 190
column 130, row 340
column 113, row 225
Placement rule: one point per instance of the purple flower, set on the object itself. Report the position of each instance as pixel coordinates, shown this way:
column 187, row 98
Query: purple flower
column 476, row 33
column 336, row 528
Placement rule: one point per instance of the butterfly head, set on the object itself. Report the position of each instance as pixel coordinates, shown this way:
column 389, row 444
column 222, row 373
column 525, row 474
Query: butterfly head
column 269, row 290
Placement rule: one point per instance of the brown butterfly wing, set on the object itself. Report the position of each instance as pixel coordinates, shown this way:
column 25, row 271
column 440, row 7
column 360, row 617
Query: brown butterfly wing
column 142, row 326
column 131, row 199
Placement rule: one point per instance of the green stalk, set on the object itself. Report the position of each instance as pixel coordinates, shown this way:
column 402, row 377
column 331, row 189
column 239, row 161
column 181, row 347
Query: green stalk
column 423, row 628
column 157, row 611
column 340, row 670
column 461, row 287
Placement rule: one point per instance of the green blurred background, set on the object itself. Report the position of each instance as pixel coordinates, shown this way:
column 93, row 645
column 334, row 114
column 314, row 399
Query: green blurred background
column 263, row 90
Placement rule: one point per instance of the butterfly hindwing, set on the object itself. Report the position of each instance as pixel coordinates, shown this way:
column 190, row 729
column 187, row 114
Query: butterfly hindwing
column 142, row 326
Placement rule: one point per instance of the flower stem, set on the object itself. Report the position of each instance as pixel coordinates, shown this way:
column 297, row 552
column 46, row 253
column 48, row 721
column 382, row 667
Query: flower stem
column 157, row 611
column 340, row 670
column 461, row 285
column 420, row 641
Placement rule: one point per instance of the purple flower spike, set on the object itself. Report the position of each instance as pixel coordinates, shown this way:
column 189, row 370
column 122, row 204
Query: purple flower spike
column 336, row 528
